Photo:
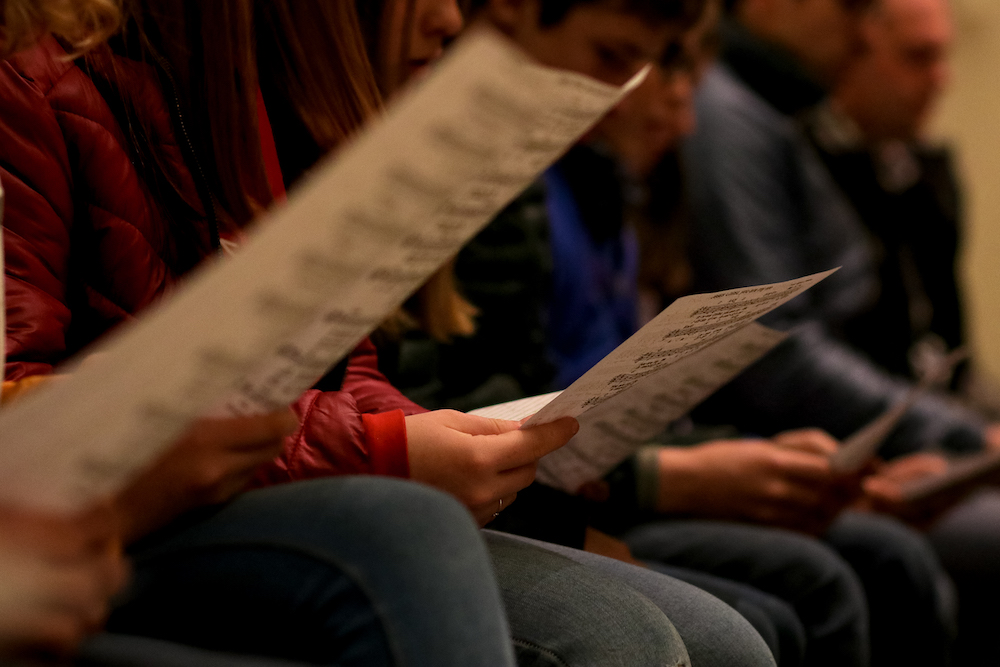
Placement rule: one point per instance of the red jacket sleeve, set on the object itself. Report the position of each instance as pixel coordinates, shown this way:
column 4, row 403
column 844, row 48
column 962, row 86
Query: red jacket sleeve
column 358, row 430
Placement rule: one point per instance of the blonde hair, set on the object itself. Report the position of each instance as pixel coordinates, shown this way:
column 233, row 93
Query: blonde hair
column 83, row 23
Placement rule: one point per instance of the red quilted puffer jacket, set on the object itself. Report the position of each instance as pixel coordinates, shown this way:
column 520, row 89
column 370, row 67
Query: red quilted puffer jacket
column 84, row 249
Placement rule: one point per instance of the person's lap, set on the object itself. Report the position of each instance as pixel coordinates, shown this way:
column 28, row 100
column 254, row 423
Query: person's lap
column 712, row 632
column 967, row 540
column 820, row 587
column 911, row 599
column 773, row 618
column 355, row 570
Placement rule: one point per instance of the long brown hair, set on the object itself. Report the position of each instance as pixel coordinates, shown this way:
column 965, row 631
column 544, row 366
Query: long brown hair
column 208, row 53
column 438, row 307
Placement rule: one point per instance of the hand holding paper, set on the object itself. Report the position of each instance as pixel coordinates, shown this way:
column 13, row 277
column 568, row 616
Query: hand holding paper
column 859, row 449
column 480, row 461
column 752, row 480
column 215, row 460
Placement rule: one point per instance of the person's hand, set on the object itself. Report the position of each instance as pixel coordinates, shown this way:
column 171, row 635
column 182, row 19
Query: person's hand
column 56, row 577
column 884, row 489
column 809, row 440
column 992, row 437
column 790, row 485
column 214, row 461
column 480, row 461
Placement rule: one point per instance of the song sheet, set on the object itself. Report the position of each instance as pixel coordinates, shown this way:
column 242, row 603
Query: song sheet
column 248, row 334
column 857, row 450
column 516, row 410
column 962, row 471
column 687, row 326
column 614, row 429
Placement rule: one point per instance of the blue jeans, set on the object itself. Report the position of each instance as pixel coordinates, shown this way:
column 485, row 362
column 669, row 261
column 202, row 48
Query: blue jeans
column 110, row 650
column 967, row 539
column 911, row 599
column 774, row 619
column 346, row 571
column 812, row 579
column 580, row 587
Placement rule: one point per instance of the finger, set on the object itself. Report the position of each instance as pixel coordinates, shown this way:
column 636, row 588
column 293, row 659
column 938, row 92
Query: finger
column 797, row 498
column 522, row 447
column 810, row 440
column 476, row 425
column 882, row 490
column 244, row 432
column 509, row 482
column 491, row 511
column 57, row 539
column 35, row 631
column 803, row 467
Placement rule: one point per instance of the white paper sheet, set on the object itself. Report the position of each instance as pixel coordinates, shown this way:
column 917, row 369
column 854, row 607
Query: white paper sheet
column 857, row 450
column 689, row 325
column 516, row 410
column 614, row 429
column 364, row 231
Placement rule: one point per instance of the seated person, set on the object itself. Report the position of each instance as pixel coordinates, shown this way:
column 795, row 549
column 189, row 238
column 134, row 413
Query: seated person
column 227, row 560
column 505, row 273
column 871, row 134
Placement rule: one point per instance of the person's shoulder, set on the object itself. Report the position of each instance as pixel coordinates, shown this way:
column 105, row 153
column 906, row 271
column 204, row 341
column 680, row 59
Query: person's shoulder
column 38, row 70
column 730, row 110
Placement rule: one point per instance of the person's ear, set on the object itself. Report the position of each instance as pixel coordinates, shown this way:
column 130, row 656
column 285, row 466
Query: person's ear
column 509, row 16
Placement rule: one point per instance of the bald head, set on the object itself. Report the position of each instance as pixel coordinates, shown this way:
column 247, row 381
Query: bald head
column 891, row 88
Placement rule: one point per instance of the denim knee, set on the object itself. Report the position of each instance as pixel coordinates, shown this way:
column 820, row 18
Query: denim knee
column 910, row 596
column 822, row 588
column 565, row 614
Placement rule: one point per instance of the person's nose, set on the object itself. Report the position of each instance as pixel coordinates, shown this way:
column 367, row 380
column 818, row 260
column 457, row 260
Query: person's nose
column 444, row 20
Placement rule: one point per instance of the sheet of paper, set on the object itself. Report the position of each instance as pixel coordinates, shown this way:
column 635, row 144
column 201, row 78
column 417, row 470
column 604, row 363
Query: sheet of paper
column 614, row 429
column 317, row 274
column 516, row 410
column 688, row 325
column 857, row 450
column 967, row 470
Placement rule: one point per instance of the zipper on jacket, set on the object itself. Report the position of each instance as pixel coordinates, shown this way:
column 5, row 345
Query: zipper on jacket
column 198, row 173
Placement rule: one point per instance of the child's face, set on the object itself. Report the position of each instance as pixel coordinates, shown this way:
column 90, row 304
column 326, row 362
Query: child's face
column 597, row 39
column 415, row 35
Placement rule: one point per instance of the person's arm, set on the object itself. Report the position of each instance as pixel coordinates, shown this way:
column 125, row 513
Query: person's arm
column 766, row 210
column 356, row 430
column 815, row 380
column 37, row 220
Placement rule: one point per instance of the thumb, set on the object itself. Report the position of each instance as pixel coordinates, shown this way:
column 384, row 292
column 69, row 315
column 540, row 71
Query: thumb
column 526, row 446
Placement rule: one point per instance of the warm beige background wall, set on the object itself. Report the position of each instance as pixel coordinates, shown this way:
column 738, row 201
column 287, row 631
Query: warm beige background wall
column 970, row 119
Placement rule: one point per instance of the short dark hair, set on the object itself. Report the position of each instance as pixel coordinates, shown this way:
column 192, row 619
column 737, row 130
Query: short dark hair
column 683, row 12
